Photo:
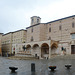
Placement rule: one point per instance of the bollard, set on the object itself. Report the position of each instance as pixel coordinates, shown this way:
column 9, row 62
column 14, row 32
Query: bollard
column 32, row 67
column 13, row 69
column 68, row 66
column 52, row 68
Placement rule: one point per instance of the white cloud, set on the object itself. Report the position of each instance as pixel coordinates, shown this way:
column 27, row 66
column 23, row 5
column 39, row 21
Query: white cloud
column 55, row 10
column 17, row 15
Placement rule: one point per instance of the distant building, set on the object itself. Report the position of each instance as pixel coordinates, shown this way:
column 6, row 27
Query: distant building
column 10, row 40
column 1, row 43
column 6, row 43
column 18, row 37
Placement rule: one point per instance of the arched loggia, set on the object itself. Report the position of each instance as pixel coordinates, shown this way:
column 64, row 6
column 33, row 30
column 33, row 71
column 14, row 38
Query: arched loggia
column 36, row 50
column 54, row 47
column 44, row 50
column 28, row 49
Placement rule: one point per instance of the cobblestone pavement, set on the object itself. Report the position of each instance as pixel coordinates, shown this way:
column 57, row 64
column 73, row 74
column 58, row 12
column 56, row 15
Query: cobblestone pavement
column 41, row 67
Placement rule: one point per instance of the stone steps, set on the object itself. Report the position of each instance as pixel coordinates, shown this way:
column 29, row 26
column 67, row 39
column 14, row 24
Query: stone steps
column 63, row 57
column 24, row 55
column 21, row 57
column 24, row 52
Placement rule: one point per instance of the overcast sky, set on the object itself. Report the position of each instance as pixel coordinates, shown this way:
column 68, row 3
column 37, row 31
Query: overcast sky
column 15, row 14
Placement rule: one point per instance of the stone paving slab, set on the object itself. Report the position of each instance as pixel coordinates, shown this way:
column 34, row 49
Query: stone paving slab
column 41, row 67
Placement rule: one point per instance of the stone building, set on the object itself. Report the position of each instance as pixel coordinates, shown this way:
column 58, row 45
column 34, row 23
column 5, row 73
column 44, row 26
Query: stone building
column 10, row 40
column 44, row 40
column 6, row 43
column 1, row 43
column 52, row 38
column 36, row 39
column 63, row 31
column 18, row 37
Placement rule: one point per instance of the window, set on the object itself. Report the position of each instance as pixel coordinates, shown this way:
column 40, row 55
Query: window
column 73, row 25
column 50, row 29
column 32, row 20
column 60, row 21
column 72, row 18
column 32, row 30
column 49, row 38
column 60, row 27
column 49, row 24
column 32, row 38
column 23, row 41
column 73, row 36
column 37, row 20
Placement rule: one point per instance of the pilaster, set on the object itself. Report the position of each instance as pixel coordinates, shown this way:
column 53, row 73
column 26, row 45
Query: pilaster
column 49, row 52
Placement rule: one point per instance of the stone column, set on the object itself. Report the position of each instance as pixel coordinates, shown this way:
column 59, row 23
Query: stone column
column 31, row 51
column 49, row 52
column 40, row 52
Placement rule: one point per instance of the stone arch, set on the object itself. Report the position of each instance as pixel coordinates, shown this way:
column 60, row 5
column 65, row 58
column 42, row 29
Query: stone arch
column 36, row 50
column 28, row 49
column 44, row 50
column 28, row 46
column 54, row 47
column 35, row 45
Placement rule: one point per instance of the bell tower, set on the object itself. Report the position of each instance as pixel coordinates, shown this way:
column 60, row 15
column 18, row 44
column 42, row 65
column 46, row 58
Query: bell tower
column 35, row 20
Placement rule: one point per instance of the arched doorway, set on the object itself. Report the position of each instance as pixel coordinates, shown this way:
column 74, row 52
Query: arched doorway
column 36, row 50
column 45, row 50
column 54, row 50
column 28, row 49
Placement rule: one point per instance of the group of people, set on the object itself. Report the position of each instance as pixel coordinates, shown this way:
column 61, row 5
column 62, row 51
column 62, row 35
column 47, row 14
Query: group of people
column 63, row 51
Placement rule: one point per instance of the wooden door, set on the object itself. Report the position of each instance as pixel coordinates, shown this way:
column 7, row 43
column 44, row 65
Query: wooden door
column 72, row 49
